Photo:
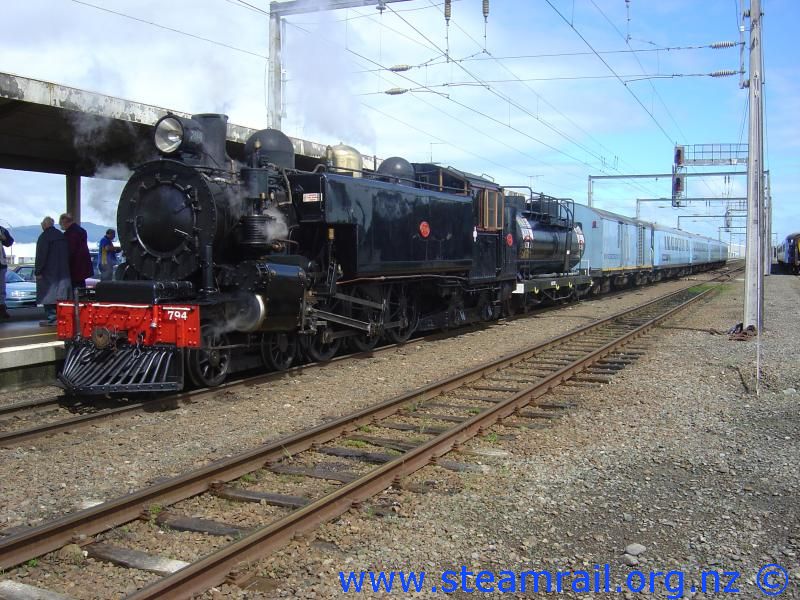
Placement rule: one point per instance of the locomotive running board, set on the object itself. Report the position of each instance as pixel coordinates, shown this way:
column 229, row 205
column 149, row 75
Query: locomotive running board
column 91, row 371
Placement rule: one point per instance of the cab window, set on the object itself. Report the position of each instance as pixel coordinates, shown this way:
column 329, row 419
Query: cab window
column 491, row 205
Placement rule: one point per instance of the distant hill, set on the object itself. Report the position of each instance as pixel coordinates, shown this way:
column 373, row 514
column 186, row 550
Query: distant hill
column 30, row 233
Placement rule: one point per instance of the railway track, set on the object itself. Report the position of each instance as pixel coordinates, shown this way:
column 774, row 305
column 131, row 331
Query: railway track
column 400, row 435
column 92, row 414
column 83, row 414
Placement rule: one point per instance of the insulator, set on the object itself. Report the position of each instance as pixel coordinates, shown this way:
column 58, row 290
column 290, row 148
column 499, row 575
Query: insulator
column 400, row 68
column 728, row 44
column 723, row 73
column 485, row 9
column 448, row 10
column 396, row 91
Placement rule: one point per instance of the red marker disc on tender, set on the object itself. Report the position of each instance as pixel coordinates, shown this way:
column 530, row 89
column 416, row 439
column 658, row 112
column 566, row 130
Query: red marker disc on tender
column 424, row 229
column 509, row 240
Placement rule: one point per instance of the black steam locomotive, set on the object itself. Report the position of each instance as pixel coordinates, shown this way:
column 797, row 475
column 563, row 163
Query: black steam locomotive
column 232, row 266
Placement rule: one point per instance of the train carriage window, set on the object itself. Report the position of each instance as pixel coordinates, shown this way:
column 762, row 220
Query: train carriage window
column 491, row 210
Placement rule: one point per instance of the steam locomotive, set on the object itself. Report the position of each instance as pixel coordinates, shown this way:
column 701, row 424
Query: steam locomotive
column 232, row 266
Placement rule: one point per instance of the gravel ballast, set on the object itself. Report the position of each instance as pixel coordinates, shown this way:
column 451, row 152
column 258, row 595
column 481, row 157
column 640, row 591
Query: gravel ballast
column 675, row 464
column 58, row 474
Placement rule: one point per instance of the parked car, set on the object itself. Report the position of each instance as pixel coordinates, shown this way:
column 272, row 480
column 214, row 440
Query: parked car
column 19, row 292
column 24, row 271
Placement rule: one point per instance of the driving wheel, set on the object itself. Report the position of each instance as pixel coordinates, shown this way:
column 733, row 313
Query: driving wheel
column 279, row 350
column 208, row 365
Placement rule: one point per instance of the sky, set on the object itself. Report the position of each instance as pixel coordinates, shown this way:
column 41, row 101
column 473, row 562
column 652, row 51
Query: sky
column 543, row 93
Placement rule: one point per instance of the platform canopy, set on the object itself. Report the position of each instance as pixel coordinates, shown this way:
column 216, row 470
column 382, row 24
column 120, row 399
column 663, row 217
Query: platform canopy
column 52, row 128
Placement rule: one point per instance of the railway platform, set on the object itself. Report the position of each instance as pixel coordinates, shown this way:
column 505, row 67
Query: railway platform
column 29, row 354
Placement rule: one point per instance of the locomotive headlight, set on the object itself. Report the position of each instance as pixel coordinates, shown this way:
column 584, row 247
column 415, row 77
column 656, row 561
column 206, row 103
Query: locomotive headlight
column 174, row 133
column 168, row 135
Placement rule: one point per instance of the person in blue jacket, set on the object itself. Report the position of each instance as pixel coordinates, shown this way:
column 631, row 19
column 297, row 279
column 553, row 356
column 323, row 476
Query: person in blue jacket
column 108, row 255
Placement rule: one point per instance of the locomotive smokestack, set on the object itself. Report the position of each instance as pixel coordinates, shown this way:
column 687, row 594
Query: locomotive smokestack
column 215, row 130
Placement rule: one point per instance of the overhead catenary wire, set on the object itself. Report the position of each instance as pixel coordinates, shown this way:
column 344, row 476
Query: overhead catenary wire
column 511, row 103
column 467, row 107
column 234, row 48
column 172, row 29
column 440, row 140
column 715, row 45
column 422, row 87
column 630, row 91
column 539, row 97
column 628, row 78
column 610, row 68
column 478, row 55
column 652, row 86
column 505, row 99
column 461, row 104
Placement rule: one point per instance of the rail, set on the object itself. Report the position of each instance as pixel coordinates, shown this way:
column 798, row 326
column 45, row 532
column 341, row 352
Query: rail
column 591, row 341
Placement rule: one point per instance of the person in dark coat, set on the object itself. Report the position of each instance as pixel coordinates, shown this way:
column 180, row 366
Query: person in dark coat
column 5, row 240
column 51, row 270
column 80, row 262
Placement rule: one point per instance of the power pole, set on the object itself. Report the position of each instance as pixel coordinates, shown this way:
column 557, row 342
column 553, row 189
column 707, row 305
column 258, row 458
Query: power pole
column 274, row 71
column 278, row 10
column 767, row 225
column 754, row 261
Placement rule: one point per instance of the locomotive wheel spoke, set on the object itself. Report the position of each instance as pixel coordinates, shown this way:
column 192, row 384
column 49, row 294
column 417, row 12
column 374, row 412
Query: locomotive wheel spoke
column 361, row 342
column 402, row 308
column 208, row 366
column 279, row 350
column 314, row 347
column 318, row 350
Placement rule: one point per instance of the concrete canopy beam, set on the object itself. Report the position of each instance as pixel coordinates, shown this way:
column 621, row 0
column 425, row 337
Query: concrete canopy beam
column 59, row 129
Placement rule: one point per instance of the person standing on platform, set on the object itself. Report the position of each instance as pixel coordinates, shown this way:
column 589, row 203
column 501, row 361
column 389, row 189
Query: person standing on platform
column 80, row 263
column 108, row 255
column 5, row 242
column 51, row 270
